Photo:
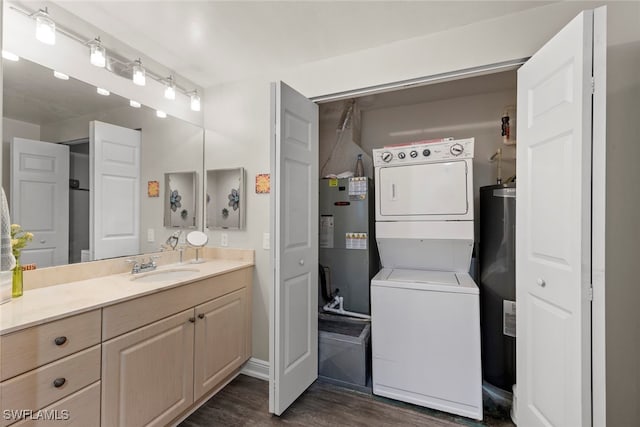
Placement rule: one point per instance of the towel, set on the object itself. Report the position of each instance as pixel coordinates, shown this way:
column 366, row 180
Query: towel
column 7, row 260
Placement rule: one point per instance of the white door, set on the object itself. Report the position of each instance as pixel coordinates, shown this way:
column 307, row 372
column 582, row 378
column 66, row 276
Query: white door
column 294, row 310
column 39, row 199
column 553, row 238
column 114, row 159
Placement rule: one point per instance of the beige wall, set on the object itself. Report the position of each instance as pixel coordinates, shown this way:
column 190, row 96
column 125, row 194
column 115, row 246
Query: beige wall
column 623, row 231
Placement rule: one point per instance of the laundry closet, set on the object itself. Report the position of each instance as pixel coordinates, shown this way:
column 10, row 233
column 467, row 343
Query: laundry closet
column 479, row 110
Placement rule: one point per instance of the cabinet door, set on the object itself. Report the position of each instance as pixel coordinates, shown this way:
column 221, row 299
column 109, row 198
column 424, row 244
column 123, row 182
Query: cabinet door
column 148, row 373
column 220, row 347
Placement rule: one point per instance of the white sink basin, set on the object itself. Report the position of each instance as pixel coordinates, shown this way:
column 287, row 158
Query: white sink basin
column 165, row 275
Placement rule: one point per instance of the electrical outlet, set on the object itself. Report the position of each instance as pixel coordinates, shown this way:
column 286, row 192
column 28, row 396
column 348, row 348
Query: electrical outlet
column 151, row 235
column 266, row 241
column 224, row 239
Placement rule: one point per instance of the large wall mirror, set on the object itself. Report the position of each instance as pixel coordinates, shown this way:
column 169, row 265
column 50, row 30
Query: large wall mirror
column 85, row 170
column 225, row 199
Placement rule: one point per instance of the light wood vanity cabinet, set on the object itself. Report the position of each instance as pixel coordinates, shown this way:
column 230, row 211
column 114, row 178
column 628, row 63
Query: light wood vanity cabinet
column 146, row 361
column 152, row 374
column 148, row 373
column 44, row 364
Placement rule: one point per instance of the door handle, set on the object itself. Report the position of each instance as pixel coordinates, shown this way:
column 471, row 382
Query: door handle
column 393, row 191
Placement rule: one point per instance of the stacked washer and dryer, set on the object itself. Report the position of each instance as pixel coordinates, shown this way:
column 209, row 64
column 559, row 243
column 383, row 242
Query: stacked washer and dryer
column 424, row 305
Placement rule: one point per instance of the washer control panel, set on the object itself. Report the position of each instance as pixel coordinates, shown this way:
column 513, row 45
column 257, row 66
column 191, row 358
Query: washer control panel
column 426, row 152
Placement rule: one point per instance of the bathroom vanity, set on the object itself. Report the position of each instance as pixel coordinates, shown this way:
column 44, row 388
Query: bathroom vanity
column 113, row 351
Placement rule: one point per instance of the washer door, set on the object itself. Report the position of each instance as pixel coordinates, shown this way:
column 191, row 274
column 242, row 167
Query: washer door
column 424, row 190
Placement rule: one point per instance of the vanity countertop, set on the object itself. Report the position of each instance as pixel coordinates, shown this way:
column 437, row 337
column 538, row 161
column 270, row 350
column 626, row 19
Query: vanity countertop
column 45, row 304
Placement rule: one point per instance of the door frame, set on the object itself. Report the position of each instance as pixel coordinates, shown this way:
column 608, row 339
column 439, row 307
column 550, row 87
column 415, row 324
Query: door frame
column 598, row 332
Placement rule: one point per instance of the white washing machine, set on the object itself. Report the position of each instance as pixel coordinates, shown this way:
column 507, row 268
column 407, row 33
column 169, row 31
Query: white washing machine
column 424, row 305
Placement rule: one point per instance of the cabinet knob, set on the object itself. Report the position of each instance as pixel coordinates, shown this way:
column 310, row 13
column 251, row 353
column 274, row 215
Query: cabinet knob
column 59, row 382
column 60, row 340
column 192, row 319
column 201, row 316
column 541, row 282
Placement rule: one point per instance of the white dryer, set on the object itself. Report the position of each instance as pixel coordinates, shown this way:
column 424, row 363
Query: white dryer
column 424, row 305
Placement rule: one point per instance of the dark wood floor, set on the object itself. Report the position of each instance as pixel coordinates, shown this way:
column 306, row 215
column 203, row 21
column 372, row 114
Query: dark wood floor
column 245, row 402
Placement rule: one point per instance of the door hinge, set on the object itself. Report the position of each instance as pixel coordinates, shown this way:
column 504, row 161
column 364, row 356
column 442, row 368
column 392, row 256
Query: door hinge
column 593, row 85
column 590, row 294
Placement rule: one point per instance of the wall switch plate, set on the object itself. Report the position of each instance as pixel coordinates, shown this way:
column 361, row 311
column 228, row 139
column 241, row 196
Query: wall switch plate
column 266, row 241
column 151, row 235
column 224, row 239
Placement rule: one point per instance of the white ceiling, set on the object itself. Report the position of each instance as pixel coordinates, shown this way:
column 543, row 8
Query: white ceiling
column 210, row 42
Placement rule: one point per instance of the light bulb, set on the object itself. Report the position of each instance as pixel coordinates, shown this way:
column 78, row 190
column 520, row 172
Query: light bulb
column 170, row 89
column 103, row 92
column 98, row 53
column 139, row 73
column 195, row 101
column 134, row 104
column 45, row 27
column 10, row 56
column 161, row 114
column 59, row 75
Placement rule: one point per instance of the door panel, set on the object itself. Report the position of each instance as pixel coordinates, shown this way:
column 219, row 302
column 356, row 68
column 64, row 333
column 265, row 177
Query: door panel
column 115, row 190
column 39, row 199
column 220, row 345
column 553, row 235
column 294, row 321
column 423, row 189
column 147, row 374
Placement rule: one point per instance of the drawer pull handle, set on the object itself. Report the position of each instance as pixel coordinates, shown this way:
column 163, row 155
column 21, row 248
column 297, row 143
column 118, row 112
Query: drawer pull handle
column 201, row 316
column 59, row 382
column 60, row 340
column 192, row 319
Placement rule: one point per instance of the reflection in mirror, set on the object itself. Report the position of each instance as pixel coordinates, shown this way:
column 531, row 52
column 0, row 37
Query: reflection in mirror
column 180, row 199
column 225, row 199
column 62, row 137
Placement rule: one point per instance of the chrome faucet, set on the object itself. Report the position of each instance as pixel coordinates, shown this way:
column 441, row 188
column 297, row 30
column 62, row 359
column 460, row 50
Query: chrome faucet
column 141, row 267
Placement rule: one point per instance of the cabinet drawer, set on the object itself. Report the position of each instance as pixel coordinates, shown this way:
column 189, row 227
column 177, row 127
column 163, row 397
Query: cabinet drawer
column 129, row 315
column 25, row 350
column 38, row 388
column 80, row 409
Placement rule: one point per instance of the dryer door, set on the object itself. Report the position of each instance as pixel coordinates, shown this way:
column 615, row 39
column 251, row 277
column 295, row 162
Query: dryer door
column 433, row 191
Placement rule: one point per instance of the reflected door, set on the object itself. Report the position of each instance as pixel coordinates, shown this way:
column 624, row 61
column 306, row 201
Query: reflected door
column 39, row 199
column 114, row 163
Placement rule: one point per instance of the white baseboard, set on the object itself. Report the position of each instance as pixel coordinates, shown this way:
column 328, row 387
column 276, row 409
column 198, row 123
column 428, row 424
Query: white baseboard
column 256, row 368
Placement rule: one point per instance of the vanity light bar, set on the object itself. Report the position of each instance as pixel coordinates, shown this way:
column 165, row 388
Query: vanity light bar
column 45, row 27
column 46, row 30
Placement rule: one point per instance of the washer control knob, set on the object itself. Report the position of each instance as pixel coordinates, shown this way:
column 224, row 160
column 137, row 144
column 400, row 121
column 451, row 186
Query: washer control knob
column 401, row 155
column 387, row 156
column 413, row 154
column 426, row 152
column 456, row 149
